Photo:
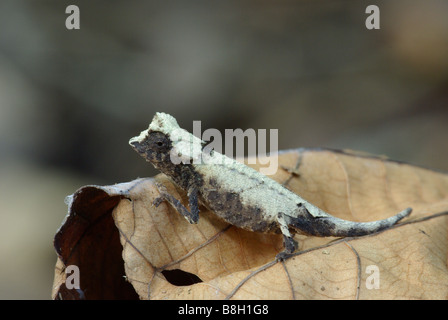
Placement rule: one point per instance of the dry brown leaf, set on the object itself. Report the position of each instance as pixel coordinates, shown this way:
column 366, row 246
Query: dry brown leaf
column 165, row 257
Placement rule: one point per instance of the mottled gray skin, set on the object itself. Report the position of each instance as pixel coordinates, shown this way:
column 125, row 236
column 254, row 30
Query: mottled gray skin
column 263, row 206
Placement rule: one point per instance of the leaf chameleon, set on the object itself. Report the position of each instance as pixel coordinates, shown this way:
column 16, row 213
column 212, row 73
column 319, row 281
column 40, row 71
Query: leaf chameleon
column 237, row 193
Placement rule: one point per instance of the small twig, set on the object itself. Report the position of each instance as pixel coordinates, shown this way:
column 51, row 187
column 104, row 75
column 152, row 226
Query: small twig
column 290, row 281
column 358, row 262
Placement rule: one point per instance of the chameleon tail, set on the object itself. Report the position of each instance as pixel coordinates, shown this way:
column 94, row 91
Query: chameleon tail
column 324, row 226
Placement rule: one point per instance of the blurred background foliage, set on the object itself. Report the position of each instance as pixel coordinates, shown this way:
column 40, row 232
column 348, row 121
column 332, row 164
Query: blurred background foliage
column 71, row 99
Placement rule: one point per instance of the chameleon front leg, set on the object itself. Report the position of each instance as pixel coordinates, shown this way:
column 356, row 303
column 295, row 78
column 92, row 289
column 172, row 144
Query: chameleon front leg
column 290, row 245
column 193, row 203
column 191, row 216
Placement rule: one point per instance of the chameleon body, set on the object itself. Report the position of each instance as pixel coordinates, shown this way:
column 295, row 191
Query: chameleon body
column 237, row 193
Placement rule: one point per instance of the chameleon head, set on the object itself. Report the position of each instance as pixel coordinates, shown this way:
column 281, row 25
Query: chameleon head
column 165, row 141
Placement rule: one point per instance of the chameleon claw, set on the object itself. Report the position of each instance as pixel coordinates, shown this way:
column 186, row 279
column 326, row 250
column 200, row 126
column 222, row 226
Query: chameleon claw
column 157, row 201
column 282, row 256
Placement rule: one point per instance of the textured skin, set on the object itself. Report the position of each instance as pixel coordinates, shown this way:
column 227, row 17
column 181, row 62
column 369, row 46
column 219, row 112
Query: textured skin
column 238, row 194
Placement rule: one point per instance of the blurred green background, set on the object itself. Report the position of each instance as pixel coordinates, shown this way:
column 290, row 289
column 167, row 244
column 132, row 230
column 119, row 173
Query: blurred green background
column 71, row 99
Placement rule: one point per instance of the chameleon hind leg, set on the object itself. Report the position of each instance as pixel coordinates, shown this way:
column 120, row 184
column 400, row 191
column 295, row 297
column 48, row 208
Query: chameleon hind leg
column 289, row 244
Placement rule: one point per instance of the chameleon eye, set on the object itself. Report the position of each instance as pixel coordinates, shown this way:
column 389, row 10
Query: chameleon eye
column 159, row 143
